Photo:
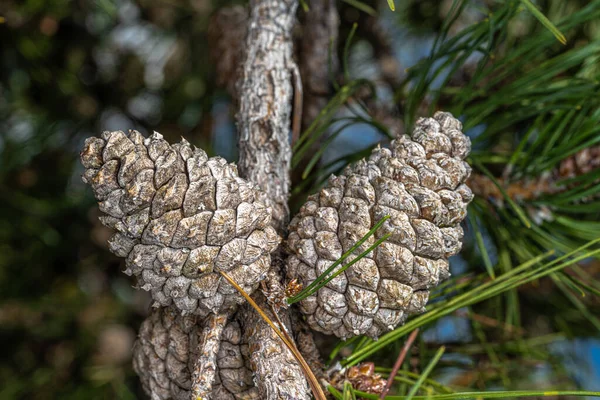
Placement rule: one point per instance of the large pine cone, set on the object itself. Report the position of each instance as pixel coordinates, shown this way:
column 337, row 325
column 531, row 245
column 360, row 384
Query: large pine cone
column 180, row 218
column 419, row 183
column 166, row 351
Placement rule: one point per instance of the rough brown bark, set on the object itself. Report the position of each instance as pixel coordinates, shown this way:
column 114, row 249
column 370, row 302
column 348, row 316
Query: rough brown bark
column 264, row 124
column 305, row 342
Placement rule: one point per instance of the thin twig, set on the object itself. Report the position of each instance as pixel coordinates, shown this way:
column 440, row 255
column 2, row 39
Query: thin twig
column 398, row 363
column 205, row 367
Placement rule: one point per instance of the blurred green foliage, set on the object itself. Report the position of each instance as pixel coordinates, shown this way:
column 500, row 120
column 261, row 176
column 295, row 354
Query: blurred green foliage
column 69, row 69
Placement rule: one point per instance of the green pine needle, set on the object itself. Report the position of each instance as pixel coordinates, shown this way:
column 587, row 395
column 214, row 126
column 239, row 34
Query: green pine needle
column 413, row 391
column 544, row 21
column 325, row 277
column 527, row 272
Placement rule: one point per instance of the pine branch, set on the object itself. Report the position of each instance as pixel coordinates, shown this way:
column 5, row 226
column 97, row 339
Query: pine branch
column 568, row 175
column 278, row 375
column 264, row 121
column 264, row 116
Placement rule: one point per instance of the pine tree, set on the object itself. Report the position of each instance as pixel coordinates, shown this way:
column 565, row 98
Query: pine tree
column 294, row 274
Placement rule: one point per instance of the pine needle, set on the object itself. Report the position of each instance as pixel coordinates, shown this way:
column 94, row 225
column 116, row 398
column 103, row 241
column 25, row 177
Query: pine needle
column 526, row 272
column 544, row 21
column 425, row 373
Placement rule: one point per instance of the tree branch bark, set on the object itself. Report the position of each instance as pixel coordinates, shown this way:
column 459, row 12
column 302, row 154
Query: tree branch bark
column 264, row 123
column 265, row 89
column 205, row 366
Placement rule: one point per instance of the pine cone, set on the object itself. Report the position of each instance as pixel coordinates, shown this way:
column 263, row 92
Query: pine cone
column 419, row 183
column 167, row 348
column 363, row 378
column 180, row 217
